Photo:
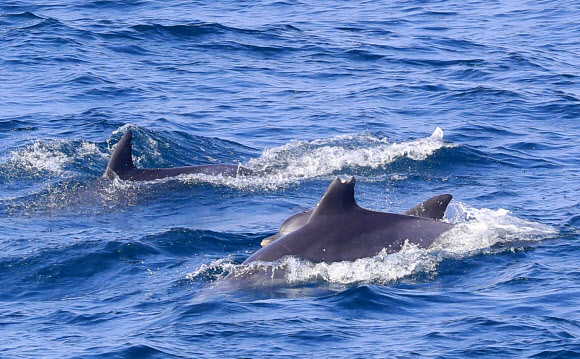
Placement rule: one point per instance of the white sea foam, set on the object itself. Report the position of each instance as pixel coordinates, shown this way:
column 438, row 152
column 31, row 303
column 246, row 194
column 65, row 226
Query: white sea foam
column 40, row 156
column 50, row 156
column 478, row 230
column 90, row 149
column 298, row 160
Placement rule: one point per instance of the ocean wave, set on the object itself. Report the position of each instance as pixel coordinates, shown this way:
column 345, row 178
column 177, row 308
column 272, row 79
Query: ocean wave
column 203, row 29
column 23, row 19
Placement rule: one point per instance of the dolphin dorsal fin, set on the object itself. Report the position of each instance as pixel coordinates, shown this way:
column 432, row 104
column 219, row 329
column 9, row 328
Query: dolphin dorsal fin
column 121, row 160
column 433, row 208
column 338, row 198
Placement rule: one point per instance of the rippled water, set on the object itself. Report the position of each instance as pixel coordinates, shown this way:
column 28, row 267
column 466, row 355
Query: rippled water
column 413, row 98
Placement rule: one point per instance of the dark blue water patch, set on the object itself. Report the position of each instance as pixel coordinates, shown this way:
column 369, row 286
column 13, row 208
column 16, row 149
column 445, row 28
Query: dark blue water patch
column 182, row 149
column 10, row 22
column 131, row 50
column 20, row 20
column 132, row 351
column 45, row 24
column 217, row 32
column 184, row 31
column 45, row 31
column 112, row 5
column 89, row 79
column 486, row 131
column 486, row 94
column 363, row 55
column 368, row 29
column 187, row 243
column 573, row 222
column 46, row 43
column 568, row 108
column 16, row 124
column 370, row 299
column 558, row 354
column 55, row 271
column 445, row 162
column 94, row 123
column 520, row 159
column 112, row 92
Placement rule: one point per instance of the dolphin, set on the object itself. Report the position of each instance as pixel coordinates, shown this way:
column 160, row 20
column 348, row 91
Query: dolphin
column 337, row 229
column 433, row 208
column 121, row 166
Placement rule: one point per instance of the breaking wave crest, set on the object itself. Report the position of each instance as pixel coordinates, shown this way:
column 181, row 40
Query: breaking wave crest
column 479, row 231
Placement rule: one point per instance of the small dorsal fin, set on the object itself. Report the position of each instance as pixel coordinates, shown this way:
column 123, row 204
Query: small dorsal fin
column 121, row 160
column 433, row 208
column 339, row 198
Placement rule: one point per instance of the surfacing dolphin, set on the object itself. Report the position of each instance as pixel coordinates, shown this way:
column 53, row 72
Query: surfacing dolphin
column 121, row 166
column 339, row 230
column 433, row 208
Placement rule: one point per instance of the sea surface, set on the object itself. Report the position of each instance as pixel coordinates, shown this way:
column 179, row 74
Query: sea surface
column 479, row 99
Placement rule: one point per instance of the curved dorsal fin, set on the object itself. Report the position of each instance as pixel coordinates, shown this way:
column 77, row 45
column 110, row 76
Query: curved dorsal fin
column 121, row 160
column 339, row 198
column 433, row 208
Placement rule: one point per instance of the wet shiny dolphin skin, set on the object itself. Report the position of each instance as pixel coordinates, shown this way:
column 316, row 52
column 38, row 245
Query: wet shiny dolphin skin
column 433, row 208
column 339, row 230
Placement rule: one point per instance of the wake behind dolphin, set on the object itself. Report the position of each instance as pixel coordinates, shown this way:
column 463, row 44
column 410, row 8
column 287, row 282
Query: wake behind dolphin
column 339, row 230
column 121, row 165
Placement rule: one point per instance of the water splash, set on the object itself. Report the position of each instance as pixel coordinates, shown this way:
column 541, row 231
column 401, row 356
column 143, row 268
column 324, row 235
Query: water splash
column 275, row 169
column 40, row 156
column 302, row 159
column 479, row 229
column 291, row 163
column 50, row 156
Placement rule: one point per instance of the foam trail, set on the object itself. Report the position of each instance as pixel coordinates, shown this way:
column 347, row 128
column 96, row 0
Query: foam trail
column 321, row 157
column 298, row 160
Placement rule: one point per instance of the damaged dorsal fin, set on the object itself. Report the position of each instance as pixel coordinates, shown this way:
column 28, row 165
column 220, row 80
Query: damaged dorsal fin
column 121, row 160
column 339, row 198
column 433, row 208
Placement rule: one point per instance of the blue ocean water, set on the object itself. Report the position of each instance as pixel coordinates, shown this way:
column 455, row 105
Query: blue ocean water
column 480, row 99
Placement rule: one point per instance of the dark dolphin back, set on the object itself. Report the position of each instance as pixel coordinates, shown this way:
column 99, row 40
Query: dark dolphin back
column 351, row 236
column 433, row 208
column 121, row 165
